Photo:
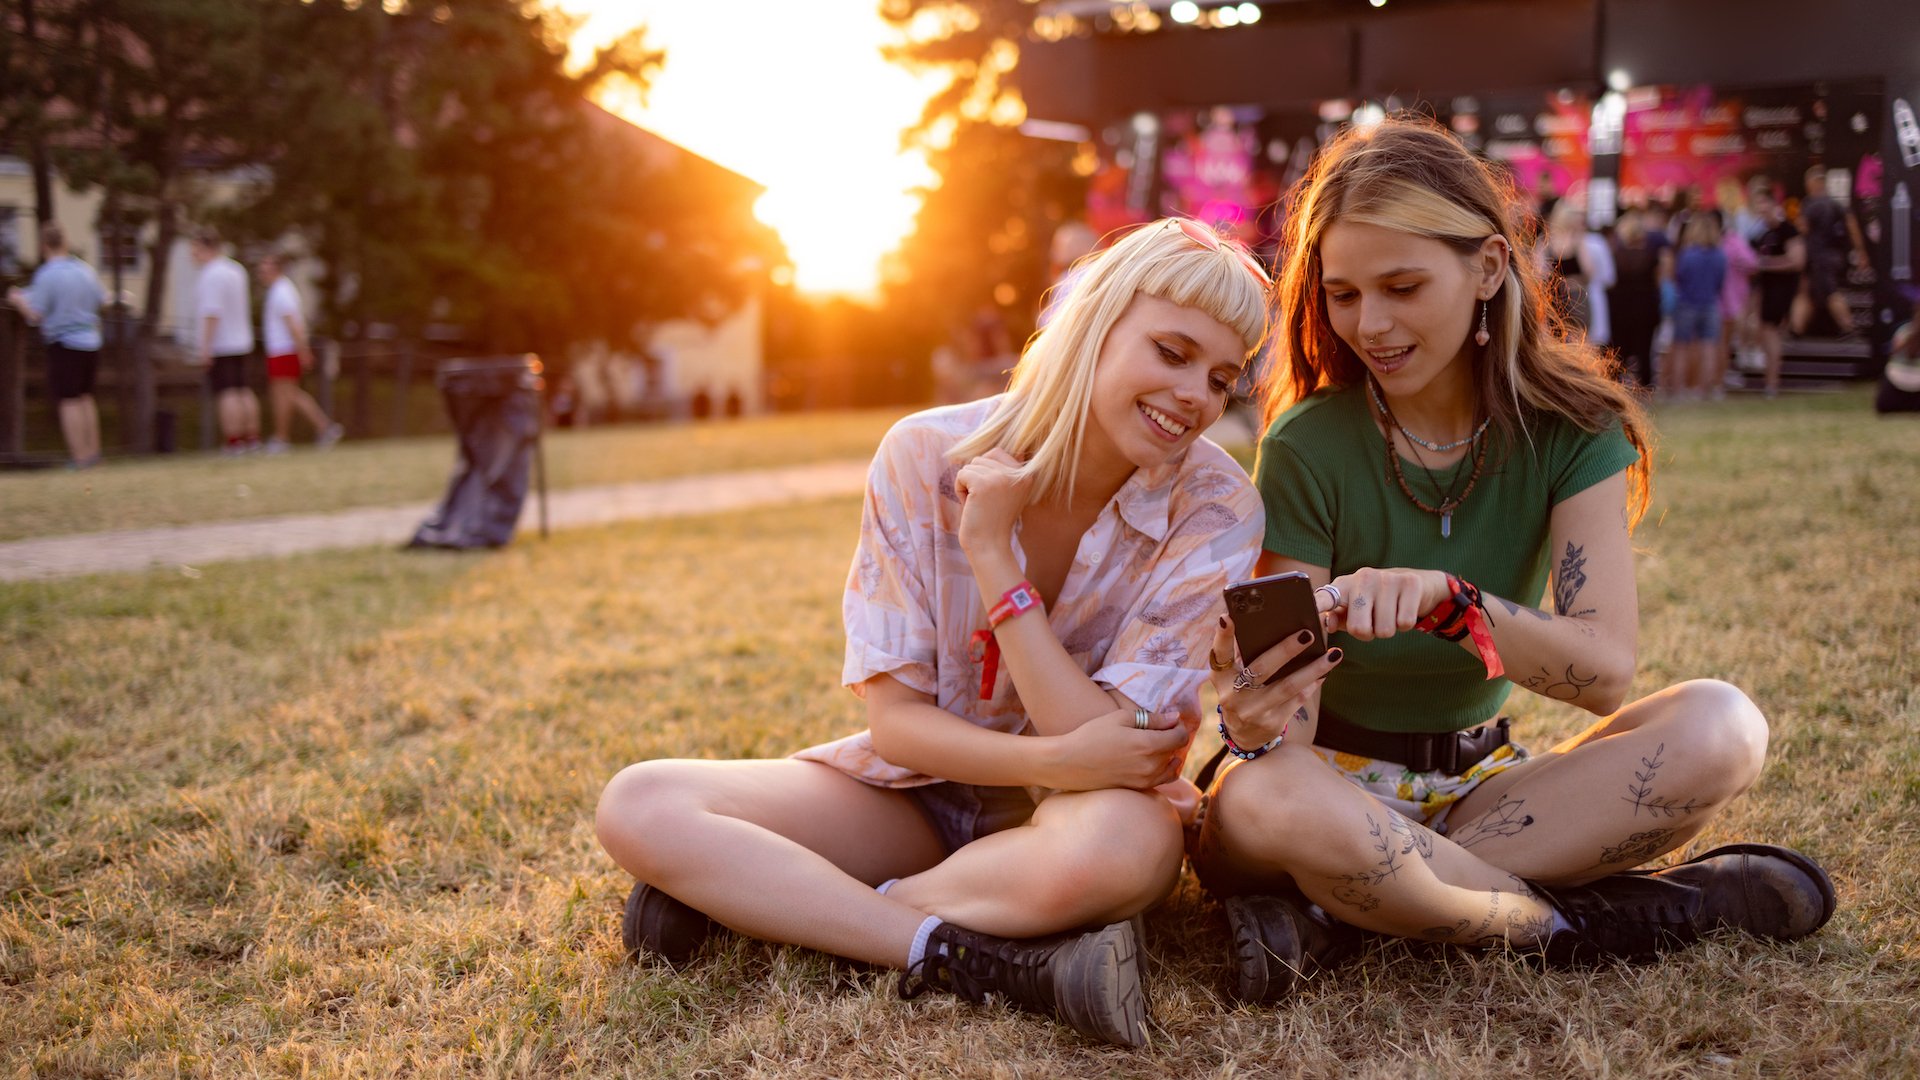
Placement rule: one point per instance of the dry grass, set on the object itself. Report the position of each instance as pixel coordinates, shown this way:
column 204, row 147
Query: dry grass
column 331, row 815
column 142, row 493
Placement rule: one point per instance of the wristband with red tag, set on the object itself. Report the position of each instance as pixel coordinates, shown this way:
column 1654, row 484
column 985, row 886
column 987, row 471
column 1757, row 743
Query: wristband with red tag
column 1463, row 614
column 1016, row 601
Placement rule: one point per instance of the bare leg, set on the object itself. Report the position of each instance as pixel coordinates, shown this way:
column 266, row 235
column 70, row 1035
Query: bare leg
column 1634, row 786
column 80, row 427
column 280, row 398
column 249, row 414
column 308, row 407
column 233, row 420
column 1770, row 341
column 782, row 850
column 1638, row 784
column 1086, row 858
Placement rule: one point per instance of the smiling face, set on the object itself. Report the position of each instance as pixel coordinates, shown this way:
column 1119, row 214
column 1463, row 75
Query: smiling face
column 1162, row 379
column 1404, row 303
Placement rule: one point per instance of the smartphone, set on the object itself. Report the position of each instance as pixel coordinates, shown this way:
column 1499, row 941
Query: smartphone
column 1267, row 611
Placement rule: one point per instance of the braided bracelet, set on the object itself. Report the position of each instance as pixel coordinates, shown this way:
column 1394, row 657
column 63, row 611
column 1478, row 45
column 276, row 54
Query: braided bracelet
column 1234, row 748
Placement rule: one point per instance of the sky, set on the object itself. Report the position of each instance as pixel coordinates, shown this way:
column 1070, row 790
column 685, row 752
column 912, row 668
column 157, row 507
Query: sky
column 793, row 94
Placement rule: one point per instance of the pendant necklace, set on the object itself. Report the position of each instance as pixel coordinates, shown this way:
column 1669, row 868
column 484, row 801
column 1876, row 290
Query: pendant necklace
column 1449, row 502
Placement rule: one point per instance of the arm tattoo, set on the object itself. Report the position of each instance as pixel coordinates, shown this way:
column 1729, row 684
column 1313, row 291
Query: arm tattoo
column 1505, row 819
column 1545, row 683
column 1637, row 848
column 1571, row 578
column 1640, row 791
column 1512, row 608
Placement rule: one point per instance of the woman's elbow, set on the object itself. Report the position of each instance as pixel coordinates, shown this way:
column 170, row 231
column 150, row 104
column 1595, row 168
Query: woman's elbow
column 1610, row 685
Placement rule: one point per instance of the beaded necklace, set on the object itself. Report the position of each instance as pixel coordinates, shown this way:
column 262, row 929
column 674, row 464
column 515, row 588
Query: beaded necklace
column 1449, row 502
column 1438, row 448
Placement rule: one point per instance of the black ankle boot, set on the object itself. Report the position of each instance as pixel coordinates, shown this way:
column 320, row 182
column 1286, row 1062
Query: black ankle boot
column 1090, row 981
column 657, row 923
column 1759, row 889
column 1278, row 942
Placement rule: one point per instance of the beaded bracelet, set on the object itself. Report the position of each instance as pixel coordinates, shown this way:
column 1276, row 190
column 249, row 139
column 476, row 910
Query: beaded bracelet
column 1234, row 748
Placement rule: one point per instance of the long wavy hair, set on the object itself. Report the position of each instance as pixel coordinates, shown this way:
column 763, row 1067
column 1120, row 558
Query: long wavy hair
column 1409, row 174
column 1042, row 418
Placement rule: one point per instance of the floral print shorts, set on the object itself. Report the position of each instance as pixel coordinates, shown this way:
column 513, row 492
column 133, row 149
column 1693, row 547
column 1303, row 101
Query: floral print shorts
column 1425, row 797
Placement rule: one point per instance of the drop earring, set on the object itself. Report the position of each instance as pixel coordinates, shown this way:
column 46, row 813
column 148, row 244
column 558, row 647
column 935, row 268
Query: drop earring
column 1480, row 336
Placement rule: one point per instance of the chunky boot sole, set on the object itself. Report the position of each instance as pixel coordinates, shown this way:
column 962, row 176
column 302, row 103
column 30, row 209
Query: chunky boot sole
column 1097, row 987
column 1267, row 966
column 657, row 924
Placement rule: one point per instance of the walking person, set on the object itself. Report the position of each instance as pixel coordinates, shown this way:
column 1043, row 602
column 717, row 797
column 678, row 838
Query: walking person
column 283, row 325
column 63, row 299
column 1432, row 451
column 223, row 330
column 1035, row 585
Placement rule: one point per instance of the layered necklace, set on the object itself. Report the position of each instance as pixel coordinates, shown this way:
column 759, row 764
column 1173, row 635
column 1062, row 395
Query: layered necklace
column 1449, row 500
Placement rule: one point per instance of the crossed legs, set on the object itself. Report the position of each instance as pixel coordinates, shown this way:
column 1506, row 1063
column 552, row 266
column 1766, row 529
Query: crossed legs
column 1636, row 785
column 790, row 851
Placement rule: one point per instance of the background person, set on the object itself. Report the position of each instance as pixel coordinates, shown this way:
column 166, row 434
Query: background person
column 1699, row 276
column 63, row 299
column 1833, row 243
column 223, row 332
column 283, row 325
column 1634, row 301
column 1780, row 255
column 1025, row 705
column 1411, row 337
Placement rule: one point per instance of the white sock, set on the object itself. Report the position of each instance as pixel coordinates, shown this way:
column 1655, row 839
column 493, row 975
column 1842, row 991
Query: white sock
column 1560, row 923
column 918, row 950
column 885, row 885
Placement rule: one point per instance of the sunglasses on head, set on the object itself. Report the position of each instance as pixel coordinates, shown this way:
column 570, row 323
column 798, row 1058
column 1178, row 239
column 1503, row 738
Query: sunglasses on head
column 1210, row 240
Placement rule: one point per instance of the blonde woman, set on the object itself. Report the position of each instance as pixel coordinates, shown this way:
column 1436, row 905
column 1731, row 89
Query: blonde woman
column 1435, row 456
column 1027, row 617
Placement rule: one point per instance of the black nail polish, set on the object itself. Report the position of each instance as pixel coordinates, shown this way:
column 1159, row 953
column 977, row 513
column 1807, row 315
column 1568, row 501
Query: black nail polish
column 1306, row 637
column 1334, row 655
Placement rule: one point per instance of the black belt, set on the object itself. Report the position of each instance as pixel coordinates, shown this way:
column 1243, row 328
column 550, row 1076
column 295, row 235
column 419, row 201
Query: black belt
column 1450, row 752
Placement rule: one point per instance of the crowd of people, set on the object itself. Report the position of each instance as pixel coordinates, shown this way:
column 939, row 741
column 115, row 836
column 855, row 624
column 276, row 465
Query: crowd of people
column 1686, row 295
column 64, row 299
column 1036, row 600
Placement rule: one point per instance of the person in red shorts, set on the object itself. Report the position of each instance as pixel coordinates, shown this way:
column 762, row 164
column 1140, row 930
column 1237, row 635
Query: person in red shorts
column 284, row 326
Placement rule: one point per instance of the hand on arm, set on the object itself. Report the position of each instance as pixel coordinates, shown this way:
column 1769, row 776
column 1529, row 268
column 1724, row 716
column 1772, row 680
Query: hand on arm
column 1058, row 696
column 1584, row 654
column 1106, row 751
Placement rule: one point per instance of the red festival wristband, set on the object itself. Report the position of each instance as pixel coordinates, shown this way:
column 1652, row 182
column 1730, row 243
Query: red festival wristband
column 1016, row 601
column 1462, row 614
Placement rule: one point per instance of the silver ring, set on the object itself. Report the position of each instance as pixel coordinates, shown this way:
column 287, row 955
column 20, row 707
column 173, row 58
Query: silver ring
column 1142, row 719
column 1331, row 590
column 1245, row 680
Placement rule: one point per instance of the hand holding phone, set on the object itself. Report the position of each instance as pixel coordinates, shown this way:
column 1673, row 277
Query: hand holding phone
column 1267, row 611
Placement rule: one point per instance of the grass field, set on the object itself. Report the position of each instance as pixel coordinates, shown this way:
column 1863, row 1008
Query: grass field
column 142, row 493
column 331, row 815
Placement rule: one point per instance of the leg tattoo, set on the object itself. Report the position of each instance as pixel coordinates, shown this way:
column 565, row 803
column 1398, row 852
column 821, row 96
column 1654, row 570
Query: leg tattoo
column 1505, row 819
column 1640, row 791
column 1637, row 848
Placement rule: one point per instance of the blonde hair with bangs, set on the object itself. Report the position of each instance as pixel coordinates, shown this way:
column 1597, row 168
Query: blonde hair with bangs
column 1042, row 418
column 1410, row 175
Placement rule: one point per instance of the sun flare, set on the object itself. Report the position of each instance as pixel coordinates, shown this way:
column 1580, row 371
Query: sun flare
column 797, row 97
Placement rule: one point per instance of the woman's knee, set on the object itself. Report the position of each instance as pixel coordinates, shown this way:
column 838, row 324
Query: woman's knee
column 1724, row 729
column 644, row 800
column 1262, row 805
column 1124, row 843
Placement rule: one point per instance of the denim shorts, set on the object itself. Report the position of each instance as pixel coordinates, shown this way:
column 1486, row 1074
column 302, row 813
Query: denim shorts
column 963, row 813
column 1692, row 323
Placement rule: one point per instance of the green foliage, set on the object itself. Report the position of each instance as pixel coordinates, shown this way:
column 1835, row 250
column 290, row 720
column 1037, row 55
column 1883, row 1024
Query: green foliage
column 982, row 234
column 439, row 159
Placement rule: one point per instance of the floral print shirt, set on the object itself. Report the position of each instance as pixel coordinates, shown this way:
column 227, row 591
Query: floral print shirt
column 1137, row 610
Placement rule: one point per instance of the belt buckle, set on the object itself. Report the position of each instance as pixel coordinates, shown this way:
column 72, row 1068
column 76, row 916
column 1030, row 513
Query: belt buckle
column 1420, row 753
column 1447, row 752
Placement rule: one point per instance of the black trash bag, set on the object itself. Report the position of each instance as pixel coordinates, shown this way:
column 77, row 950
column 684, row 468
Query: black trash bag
column 495, row 407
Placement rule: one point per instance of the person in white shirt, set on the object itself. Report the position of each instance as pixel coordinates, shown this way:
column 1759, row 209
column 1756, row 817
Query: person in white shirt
column 283, row 325
column 223, row 329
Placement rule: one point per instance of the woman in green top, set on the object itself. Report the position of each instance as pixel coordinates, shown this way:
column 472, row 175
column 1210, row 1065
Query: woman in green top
column 1435, row 455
